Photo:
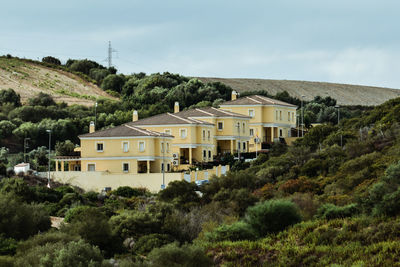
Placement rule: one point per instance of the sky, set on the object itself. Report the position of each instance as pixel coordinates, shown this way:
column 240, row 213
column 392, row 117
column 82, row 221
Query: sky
column 341, row 41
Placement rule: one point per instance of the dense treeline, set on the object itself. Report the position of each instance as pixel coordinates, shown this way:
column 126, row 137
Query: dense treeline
column 325, row 200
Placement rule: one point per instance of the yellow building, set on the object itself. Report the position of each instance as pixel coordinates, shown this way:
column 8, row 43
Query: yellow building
column 200, row 134
column 125, row 149
column 270, row 119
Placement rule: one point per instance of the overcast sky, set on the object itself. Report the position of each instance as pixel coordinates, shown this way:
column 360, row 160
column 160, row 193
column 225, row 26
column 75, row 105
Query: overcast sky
column 344, row 41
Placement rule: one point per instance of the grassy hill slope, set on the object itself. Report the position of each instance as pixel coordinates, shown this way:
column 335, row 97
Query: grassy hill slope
column 345, row 94
column 28, row 79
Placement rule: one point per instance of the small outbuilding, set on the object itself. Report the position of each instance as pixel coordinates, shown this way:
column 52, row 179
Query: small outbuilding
column 22, row 167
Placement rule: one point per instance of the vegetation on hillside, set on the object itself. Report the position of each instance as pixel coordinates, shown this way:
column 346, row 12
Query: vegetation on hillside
column 311, row 204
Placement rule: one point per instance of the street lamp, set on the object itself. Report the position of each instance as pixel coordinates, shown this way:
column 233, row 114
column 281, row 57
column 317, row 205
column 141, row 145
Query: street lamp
column 25, row 147
column 95, row 114
column 48, row 178
column 338, row 121
column 238, row 127
column 302, row 116
column 164, row 146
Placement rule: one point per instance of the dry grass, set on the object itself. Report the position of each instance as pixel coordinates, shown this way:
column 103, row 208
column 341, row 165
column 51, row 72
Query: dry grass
column 345, row 94
column 28, row 79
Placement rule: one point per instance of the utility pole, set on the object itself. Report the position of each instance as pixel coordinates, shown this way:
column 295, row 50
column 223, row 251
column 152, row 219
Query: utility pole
column 164, row 146
column 95, row 114
column 25, row 147
column 238, row 126
column 48, row 178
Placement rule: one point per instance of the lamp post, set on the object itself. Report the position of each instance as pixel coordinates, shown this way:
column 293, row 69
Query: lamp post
column 302, row 116
column 48, row 178
column 238, row 127
column 95, row 114
column 338, row 122
column 163, row 163
column 25, row 147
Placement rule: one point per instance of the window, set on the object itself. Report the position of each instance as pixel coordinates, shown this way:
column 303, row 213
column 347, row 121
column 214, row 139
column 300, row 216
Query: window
column 251, row 113
column 162, row 167
column 220, row 126
column 239, row 145
column 183, row 133
column 209, row 154
column 276, row 112
column 209, row 135
column 280, row 133
column 167, row 131
column 162, row 147
column 238, row 127
column 99, row 147
column 244, row 146
column 244, row 127
column 125, row 146
column 292, row 116
column 168, row 167
column 204, row 153
column 280, row 115
column 288, row 116
column 141, row 146
column 125, row 167
column 204, row 134
column 167, row 147
column 91, row 167
column 251, row 132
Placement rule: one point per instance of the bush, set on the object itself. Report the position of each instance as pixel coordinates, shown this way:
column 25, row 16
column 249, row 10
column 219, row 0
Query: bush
column 233, row 232
column 8, row 246
column 181, row 193
column 74, row 253
column 331, row 211
column 272, row 216
column 51, row 60
column 127, row 191
column 92, row 225
column 19, row 220
column 75, row 212
column 147, row 243
column 173, row 256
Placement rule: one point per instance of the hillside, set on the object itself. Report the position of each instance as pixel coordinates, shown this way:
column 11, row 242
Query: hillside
column 345, row 94
column 28, row 79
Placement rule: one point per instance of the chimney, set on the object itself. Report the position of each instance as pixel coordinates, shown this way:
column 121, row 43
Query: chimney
column 234, row 95
column 91, row 127
column 176, row 107
column 135, row 116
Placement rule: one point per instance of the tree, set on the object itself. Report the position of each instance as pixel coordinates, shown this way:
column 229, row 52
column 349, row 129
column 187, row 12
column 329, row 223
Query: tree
column 42, row 99
column 65, row 148
column 10, row 96
column 113, row 82
column 51, row 60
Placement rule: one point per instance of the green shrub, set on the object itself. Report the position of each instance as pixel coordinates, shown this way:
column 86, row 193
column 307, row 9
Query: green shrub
column 74, row 253
column 77, row 211
column 331, row 211
column 233, row 232
column 172, row 255
column 19, row 220
column 8, row 246
column 127, row 191
column 6, row 261
column 272, row 216
column 147, row 243
column 181, row 193
column 50, row 237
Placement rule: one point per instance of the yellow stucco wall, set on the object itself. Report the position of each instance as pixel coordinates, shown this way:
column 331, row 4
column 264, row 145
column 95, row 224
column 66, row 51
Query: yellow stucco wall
column 96, row 181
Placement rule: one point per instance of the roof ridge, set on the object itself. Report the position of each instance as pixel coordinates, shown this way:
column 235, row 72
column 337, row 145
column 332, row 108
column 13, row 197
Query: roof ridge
column 137, row 129
column 179, row 117
column 226, row 111
column 204, row 112
column 273, row 101
column 253, row 100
